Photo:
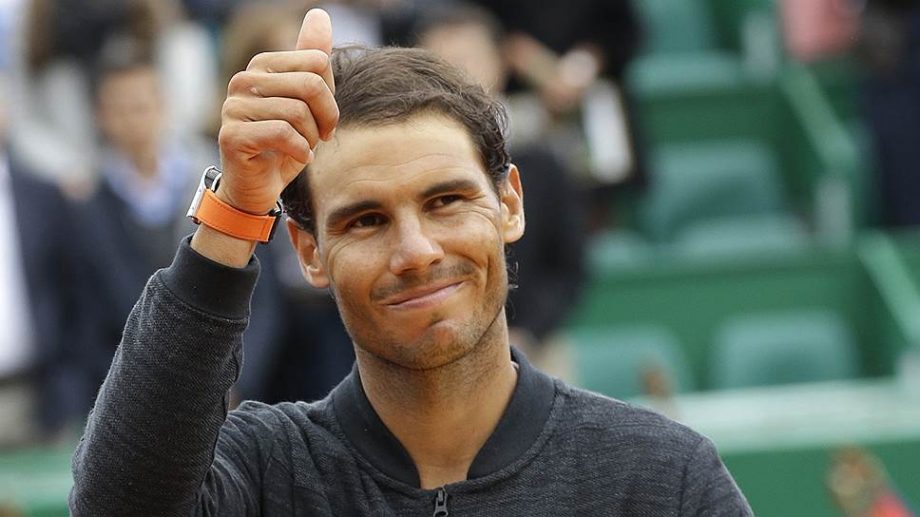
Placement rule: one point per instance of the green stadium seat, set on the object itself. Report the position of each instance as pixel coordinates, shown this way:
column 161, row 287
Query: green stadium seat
column 681, row 53
column 613, row 360
column 618, row 248
column 702, row 181
column 676, row 26
column 669, row 75
column 743, row 236
column 783, row 348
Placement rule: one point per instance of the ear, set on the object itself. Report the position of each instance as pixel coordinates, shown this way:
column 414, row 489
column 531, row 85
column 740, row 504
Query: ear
column 307, row 250
column 512, row 204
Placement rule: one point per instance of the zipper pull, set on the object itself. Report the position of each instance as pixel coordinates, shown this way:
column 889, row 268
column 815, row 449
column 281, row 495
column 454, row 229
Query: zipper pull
column 440, row 503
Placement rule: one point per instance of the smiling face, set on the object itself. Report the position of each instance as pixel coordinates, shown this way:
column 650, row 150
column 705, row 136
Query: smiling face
column 410, row 237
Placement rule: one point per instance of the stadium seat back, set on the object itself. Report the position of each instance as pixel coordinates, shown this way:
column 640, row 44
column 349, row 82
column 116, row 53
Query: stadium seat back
column 743, row 236
column 783, row 348
column 710, row 180
column 614, row 360
column 677, row 26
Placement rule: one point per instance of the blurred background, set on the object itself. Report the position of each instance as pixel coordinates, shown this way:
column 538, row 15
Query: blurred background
column 721, row 199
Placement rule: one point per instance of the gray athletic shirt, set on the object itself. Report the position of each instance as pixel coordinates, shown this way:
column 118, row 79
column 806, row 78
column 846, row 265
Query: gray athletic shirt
column 160, row 442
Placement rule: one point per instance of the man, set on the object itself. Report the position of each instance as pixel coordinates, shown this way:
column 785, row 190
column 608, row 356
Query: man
column 403, row 213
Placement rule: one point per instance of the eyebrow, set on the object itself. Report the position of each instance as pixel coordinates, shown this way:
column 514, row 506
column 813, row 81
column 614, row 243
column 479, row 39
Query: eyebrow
column 449, row 186
column 342, row 214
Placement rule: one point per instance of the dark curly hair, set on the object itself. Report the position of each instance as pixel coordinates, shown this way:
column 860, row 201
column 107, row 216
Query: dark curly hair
column 378, row 87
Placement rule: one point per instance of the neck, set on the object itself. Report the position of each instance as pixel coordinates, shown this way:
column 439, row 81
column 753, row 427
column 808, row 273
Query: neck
column 443, row 416
column 144, row 159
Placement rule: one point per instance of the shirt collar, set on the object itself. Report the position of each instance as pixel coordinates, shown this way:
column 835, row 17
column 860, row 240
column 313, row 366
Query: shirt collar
column 517, row 430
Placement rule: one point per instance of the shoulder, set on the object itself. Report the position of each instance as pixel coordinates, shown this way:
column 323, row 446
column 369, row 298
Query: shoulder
column 273, row 418
column 652, row 456
column 289, row 424
column 590, row 413
column 294, row 440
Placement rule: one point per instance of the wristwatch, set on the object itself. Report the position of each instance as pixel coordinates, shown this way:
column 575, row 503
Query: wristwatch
column 209, row 210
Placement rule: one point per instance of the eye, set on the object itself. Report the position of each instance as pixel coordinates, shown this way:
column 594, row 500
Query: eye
column 442, row 201
column 367, row 221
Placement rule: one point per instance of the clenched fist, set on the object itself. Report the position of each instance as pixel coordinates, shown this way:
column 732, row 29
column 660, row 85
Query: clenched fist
column 275, row 113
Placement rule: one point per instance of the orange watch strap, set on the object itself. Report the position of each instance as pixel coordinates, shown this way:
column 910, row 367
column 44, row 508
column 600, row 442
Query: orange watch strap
column 224, row 218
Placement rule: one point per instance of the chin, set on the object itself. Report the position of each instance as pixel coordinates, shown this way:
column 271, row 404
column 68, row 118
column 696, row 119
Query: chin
column 440, row 344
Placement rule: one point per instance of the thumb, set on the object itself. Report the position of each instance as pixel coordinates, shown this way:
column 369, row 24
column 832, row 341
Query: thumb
column 316, row 31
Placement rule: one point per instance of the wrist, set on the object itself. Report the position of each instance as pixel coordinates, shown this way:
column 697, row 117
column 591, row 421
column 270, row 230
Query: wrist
column 216, row 209
column 222, row 248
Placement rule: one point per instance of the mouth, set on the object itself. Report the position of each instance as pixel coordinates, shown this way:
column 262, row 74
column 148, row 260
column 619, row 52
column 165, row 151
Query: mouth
column 423, row 297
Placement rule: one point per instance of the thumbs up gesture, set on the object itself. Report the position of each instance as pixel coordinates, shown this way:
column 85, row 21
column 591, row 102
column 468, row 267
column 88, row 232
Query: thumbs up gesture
column 275, row 113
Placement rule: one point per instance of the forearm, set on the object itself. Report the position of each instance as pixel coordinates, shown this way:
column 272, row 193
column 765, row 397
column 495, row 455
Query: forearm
column 150, row 440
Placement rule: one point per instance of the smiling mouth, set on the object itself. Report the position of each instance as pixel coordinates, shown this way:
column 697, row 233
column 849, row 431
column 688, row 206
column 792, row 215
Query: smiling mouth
column 424, row 298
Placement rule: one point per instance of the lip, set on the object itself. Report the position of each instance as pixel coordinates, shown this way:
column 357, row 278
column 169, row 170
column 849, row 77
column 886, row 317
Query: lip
column 423, row 297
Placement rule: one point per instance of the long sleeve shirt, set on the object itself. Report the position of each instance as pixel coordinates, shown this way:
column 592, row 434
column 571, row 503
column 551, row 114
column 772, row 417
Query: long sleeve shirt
column 160, row 441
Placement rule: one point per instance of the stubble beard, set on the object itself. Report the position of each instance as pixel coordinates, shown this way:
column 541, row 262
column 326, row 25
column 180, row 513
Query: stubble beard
column 438, row 347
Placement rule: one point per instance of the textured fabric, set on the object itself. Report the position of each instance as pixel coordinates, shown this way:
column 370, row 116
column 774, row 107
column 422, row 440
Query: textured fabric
column 159, row 441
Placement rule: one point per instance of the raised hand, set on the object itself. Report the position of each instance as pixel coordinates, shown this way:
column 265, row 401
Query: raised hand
column 275, row 113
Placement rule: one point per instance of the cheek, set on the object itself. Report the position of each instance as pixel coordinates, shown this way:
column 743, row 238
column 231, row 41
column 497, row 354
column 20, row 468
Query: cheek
column 351, row 268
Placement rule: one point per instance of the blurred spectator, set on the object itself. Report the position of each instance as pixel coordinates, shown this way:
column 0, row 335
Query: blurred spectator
column 573, row 56
column 211, row 13
column 61, row 40
column 890, row 47
column 131, row 223
column 36, row 309
column 817, row 29
column 313, row 352
column 860, row 487
column 356, row 21
column 547, row 263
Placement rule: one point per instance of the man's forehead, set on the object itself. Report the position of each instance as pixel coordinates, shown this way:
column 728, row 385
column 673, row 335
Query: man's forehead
column 422, row 149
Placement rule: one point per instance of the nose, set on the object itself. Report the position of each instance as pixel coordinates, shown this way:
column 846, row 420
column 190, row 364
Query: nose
column 414, row 249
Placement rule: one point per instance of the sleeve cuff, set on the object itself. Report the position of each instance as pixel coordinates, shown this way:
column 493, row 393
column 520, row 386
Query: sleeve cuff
column 209, row 286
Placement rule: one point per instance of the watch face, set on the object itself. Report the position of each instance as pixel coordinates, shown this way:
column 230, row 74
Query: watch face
column 211, row 178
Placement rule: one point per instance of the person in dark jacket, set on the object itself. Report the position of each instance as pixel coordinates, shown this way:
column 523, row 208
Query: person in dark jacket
column 401, row 197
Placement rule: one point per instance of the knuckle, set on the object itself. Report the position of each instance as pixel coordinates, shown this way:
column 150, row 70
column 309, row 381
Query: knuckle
column 313, row 85
column 228, row 137
column 322, row 59
column 231, row 108
column 259, row 61
column 283, row 131
column 302, row 110
column 240, row 82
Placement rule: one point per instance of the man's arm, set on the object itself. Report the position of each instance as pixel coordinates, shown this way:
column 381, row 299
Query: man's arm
column 152, row 444
column 149, row 442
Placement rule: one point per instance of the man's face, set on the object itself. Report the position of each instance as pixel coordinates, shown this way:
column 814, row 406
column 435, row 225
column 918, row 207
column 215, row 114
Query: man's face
column 410, row 236
column 130, row 110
